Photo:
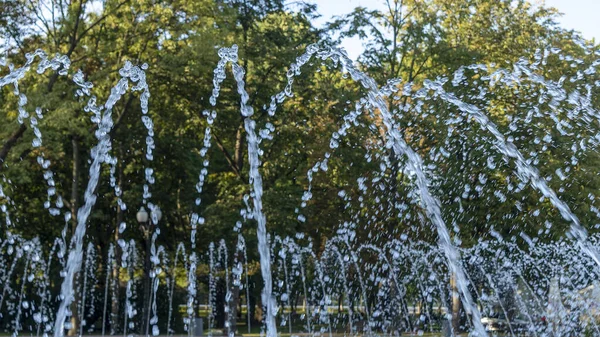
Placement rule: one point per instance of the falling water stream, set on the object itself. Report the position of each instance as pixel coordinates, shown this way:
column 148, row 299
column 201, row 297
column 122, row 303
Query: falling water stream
column 298, row 267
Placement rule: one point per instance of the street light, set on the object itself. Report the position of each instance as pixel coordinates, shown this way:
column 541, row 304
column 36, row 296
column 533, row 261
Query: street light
column 146, row 221
column 142, row 215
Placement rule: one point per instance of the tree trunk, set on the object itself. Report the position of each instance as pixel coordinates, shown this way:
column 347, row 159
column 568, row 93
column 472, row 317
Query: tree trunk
column 239, row 148
column 231, row 316
column 220, row 292
column 76, row 169
column 147, row 286
column 409, row 324
column 255, row 317
column 455, row 305
column 114, row 309
column 10, row 142
column 75, row 319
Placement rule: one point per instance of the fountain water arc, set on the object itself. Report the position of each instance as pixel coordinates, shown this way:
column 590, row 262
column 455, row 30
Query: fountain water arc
column 574, row 271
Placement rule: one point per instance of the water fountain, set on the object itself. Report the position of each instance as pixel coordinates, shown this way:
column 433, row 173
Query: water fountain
column 382, row 287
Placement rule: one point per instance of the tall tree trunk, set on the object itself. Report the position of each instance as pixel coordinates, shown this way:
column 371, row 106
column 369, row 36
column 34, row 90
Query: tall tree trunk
column 409, row 324
column 114, row 309
column 231, row 315
column 255, row 317
column 221, row 290
column 10, row 142
column 455, row 305
column 115, row 274
column 75, row 319
column 239, row 148
column 147, row 286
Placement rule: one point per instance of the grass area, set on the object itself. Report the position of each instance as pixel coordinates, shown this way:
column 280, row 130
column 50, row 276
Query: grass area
column 283, row 332
column 299, row 330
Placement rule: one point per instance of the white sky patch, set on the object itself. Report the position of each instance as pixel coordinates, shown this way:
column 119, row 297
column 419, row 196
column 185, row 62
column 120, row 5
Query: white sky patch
column 580, row 15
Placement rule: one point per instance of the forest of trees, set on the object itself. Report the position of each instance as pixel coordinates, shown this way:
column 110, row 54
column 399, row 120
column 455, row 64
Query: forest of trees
column 411, row 40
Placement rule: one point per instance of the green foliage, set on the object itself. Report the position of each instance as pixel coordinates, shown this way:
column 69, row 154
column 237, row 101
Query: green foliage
column 412, row 40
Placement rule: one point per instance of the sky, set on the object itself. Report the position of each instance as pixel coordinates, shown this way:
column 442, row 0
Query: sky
column 580, row 15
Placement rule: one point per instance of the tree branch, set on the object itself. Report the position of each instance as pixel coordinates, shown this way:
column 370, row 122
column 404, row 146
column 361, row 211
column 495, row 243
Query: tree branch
column 227, row 156
column 12, row 140
column 95, row 23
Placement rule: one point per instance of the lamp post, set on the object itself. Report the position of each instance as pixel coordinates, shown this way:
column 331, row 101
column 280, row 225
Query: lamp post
column 144, row 218
column 147, row 223
column 142, row 215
